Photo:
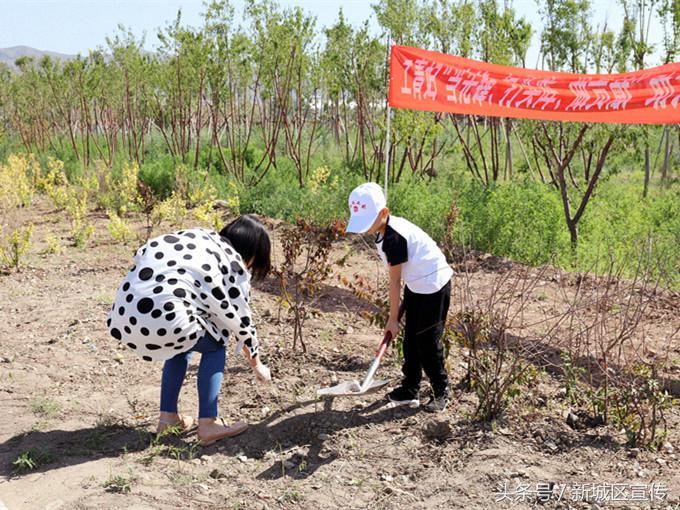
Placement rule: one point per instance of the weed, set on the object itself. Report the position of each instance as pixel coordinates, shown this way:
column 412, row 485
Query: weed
column 290, row 496
column 81, row 228
column 119, row 229
column 15, row 246
column 31, row 460
column 120, row 483
column 43, row 406
column 53, row 246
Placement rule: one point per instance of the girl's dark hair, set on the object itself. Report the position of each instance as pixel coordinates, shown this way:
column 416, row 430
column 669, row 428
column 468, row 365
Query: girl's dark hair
column 250, row 239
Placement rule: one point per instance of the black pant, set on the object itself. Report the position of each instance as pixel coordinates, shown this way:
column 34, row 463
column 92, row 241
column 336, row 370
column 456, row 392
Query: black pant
column 423, row 347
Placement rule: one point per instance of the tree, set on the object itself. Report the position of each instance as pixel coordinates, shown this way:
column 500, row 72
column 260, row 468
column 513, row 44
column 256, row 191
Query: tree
column 637, row 22
column 669, row 12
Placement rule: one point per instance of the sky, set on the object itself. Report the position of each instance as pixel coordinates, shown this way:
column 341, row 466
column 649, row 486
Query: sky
column 74, row 26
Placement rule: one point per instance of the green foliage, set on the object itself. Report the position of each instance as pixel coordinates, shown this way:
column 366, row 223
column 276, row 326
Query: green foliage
column 31, row 460
column 44, row 406
column 255, row 99
column 520, row 220
column 120, row 483
column 619, row 226
column 15, row 246
column 76, row 208
column 278, row 195
column 119, row 229
column 159, row 175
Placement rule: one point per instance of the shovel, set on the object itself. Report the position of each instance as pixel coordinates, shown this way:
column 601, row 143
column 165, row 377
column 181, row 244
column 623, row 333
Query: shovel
column 354, row 388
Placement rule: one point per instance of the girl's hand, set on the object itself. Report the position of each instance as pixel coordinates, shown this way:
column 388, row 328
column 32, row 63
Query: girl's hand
column 262, row 373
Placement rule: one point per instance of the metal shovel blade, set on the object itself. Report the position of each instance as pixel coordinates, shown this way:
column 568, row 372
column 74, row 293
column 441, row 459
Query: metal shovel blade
column 350, row 388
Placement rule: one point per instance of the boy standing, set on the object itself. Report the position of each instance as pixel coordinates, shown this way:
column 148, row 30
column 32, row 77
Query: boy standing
column 410, row 255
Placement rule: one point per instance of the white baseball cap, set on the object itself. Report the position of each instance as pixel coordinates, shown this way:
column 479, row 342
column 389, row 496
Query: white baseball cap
column 365, row 203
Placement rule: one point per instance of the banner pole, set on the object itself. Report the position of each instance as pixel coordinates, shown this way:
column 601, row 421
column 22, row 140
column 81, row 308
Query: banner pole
column 387, row 149
column 389, row 115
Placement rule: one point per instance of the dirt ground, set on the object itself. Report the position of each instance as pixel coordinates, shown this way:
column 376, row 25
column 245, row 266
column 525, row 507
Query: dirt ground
column 84, row 408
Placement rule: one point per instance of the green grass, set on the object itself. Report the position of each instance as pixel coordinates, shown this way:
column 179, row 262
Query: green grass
column 44, row 406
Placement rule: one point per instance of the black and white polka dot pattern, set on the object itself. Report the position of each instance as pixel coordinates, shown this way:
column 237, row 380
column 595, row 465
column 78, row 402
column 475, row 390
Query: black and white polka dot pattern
column 181, row 285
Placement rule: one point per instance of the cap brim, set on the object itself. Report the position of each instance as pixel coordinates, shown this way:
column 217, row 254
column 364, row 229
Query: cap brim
column 359, row 224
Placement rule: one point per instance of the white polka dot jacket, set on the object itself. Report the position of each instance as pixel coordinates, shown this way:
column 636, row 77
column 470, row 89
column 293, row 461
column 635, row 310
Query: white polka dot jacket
column 183, row 285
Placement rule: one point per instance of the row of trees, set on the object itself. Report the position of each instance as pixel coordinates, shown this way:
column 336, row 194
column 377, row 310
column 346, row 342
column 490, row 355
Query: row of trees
column 251, row 88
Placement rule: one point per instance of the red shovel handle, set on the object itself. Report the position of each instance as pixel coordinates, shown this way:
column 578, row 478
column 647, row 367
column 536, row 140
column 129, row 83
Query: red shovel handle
column 387, row 339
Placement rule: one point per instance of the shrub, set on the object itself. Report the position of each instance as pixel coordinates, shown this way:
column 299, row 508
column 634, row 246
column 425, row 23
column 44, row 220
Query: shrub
column 173, row 209
column 519, row 220
column 122, row 195
column 54, row 183
column 118, row 228
column 15, row 246
column 159, row 175
column 306, row 266
column 53, row 245
column 16, row 189
column 81, row 228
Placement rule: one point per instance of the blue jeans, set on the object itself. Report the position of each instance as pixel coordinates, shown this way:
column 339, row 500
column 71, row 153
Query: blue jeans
column 210, row 373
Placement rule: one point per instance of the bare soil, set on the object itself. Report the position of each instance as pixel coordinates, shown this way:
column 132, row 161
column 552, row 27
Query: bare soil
column 85, row 408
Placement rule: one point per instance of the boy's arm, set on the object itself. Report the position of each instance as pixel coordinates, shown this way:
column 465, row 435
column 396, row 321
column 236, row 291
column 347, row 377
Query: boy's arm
column 395, row 298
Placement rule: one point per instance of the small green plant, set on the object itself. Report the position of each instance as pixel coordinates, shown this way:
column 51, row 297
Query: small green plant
column 290, row 496
column 53, row 246
column 119, row 229
column 120, row 483
column 81, row 228
column 573, row 375
column 638, row 405
column 173, row 210
column 43, row 406
column 208, row 215
column 160, row 447
column 15, row 246
column 122, row 195
column 31, row 460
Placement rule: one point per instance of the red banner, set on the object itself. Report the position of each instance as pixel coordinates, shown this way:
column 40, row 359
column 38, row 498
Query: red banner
column 431, row 81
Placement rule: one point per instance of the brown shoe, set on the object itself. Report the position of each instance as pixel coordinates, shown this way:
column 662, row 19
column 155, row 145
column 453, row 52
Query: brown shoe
column 185, row 423
column 210, row 431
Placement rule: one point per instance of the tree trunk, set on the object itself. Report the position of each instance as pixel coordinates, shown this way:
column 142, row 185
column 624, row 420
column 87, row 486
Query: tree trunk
column 647, row 171
column 508, row 149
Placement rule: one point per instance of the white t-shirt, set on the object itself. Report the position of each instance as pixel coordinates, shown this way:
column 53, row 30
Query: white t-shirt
column 423, row 266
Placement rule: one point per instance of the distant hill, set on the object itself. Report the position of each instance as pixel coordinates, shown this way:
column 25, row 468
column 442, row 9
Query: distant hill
column 9, row 55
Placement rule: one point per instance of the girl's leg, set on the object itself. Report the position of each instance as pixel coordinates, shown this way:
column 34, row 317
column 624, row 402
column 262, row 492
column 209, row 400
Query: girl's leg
column 174, row 371
column 210, row 374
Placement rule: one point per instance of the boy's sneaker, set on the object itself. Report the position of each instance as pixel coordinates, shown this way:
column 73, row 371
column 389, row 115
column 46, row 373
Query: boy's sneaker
column 437, row 404
column 402, row 397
